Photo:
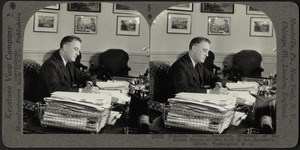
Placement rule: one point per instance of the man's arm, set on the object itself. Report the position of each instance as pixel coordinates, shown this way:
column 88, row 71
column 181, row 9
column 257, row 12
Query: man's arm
column 51, row 78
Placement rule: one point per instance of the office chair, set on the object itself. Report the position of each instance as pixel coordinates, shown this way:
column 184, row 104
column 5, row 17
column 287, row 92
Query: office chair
column 158, row 73
column 209, row 63
column 31, row 77
column 158, row 77
column 246, row 63
column 113, row 62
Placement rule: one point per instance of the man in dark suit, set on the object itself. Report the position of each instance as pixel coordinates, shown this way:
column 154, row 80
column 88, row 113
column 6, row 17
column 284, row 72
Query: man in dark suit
column 188, row 73
column 59, row 73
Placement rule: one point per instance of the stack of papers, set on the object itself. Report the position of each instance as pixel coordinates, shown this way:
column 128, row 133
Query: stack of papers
column 113, row 85
column 82, row 111
column 117, row 89
column 243, row 97
column 238, row 118
column 243, row 86
column 206, row 112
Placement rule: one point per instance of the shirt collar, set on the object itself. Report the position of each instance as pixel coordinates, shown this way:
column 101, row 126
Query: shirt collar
column 65, row 62
column 194, row 64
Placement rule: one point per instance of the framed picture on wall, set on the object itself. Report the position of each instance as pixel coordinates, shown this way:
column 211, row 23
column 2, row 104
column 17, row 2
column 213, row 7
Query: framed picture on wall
column 85, row 7
column 119, row 8
column 183, row 7
column 179, row 23
column 128, row 25
column 253, row 11
column 53, row 7
column 45, row 22
column 219, row 25
column 85, row 24
column 261, row 27
column 227, row 8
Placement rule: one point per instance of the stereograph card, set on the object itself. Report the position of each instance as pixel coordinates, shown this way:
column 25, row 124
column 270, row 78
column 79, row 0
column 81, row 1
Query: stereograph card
column 25, row 30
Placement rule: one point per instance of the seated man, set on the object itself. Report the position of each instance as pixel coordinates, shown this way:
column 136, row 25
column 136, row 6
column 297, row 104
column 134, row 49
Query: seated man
column 188, row 73
column 59, row 73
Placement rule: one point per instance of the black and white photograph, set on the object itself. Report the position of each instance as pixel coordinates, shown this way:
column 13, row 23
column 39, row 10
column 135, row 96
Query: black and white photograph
column 128, row 25
column 45, row 22
column 218, row 25
column 85, row 24
column 179, row 23
column 182, row 7
column 261, row 27
column 121, row 8
column 194, row 75
column 254, row 11
column 85, row 7
column 227, row 8
column 53, row 7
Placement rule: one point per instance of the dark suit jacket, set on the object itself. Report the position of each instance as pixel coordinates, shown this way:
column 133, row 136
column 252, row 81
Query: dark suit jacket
column 183, row 77
column 54, row 76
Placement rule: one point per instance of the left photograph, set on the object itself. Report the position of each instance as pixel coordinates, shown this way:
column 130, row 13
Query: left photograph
column 81, row 69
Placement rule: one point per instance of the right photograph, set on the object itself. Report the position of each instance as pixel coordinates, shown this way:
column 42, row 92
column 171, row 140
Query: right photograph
column 213, row 69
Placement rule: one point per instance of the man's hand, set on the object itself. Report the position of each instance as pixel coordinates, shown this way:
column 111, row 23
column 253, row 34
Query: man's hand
column 219, row 89
column 90, row 88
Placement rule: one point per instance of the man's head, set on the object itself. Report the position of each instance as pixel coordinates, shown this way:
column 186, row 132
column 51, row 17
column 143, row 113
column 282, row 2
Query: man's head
column 70, row 47
column 199, row 48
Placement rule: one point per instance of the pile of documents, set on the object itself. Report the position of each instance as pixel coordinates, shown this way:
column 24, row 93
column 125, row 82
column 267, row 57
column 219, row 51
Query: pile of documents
column 243, row 86
column 117, row 89
column 203, row 112
column 72, row 110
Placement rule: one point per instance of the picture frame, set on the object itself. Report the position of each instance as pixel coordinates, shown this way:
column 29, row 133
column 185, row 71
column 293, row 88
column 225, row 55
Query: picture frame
column 179, row 23
column 45, row 22
column 261, row 27
column 85, row 7
column 120, row 8
column 85, row 24
column 219, row 25
column 227, row 8
column 253, row 11
column 182, row 7
column 53, row 7
column 128, row 25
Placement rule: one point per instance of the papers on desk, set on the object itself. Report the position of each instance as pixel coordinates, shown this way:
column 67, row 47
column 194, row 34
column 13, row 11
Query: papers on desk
column 113, row 85
column 118, row 90
column 243, row 97
column 238, row 118
column 81, row 111
column 196, row 111
column 243, row 86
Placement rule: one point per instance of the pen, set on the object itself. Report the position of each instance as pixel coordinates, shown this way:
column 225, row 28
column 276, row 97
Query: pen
column 90, row 84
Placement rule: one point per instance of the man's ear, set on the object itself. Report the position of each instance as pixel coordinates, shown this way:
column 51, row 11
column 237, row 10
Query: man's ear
column 64, row 47
column 193, row 48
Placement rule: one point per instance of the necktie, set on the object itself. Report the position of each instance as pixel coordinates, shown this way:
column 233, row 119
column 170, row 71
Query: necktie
column 68, row 65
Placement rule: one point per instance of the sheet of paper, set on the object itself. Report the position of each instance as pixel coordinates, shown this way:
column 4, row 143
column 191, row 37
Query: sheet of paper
column 243, row 86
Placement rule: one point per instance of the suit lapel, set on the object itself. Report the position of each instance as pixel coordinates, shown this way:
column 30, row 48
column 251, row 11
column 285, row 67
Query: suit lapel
column 195, row 74
column 192, row 69
column 200, row 72
column 63, row 68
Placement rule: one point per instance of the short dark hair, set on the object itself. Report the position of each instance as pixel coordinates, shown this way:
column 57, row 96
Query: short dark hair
column 198, row 40
column 68, row 39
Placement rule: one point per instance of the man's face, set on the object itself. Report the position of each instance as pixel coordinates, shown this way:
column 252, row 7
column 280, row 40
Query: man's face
column 72, row 50
column 201, row 51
